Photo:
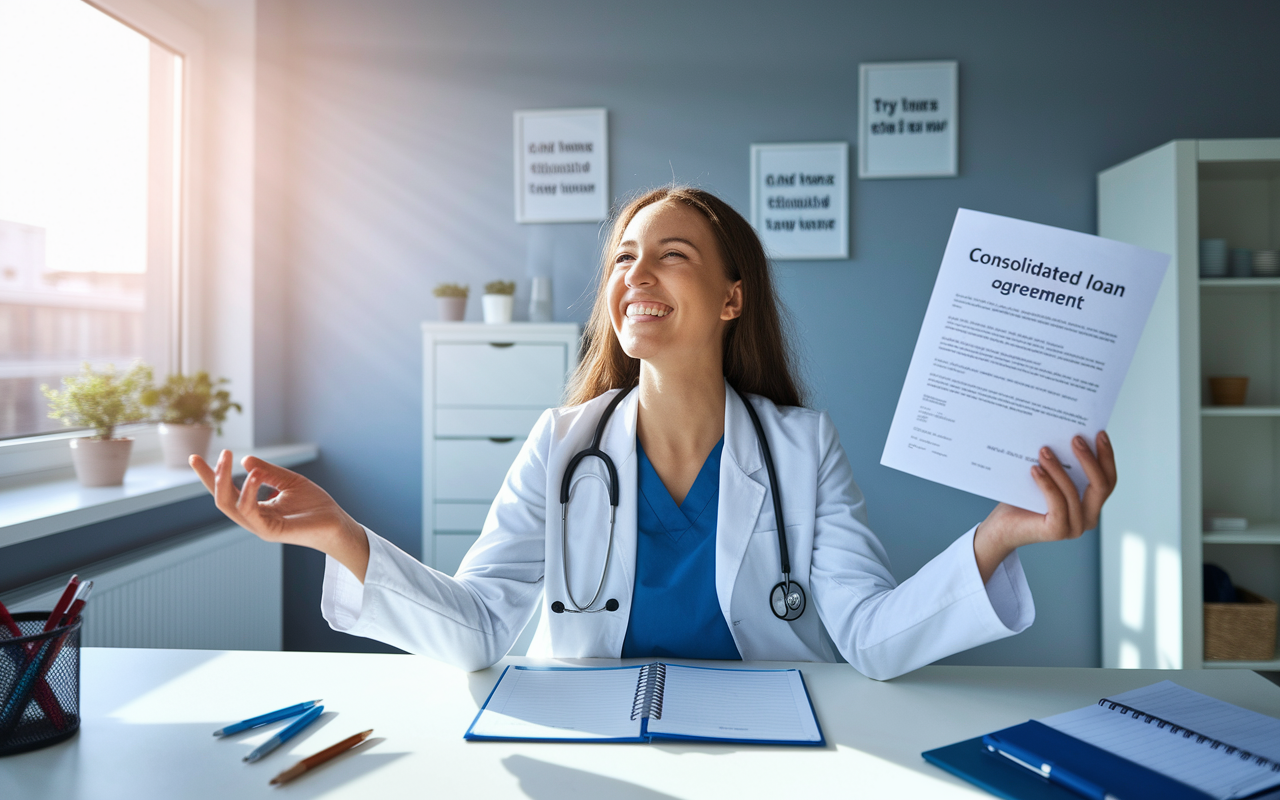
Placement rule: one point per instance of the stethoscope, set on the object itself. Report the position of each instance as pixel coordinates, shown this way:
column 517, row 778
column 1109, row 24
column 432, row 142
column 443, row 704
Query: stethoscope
column 786, row 599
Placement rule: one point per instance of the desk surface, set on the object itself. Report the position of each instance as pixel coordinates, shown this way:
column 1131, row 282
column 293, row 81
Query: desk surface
column 149, row 716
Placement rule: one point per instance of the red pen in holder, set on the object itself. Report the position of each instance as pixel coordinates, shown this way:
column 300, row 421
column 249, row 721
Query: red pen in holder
column 39, row 683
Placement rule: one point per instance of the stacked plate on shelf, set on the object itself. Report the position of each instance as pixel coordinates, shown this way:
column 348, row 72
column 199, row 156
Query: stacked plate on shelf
column 1266, row 263
column 1224, row 522
column 1213, row 258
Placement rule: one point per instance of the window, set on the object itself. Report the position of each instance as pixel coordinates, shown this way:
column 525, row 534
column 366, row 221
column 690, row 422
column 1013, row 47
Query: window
column 90, row 180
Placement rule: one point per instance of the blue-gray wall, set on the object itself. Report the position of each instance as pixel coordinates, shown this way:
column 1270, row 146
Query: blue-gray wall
column 385, row 146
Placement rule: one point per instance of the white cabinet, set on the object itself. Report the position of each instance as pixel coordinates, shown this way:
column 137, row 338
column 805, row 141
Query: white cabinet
column 1177, row 454
column 484, row 387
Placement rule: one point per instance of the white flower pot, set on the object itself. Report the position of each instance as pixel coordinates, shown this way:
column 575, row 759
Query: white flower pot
column 180, row 442
column 497, row 308
column 101, row 462
column 452, row 309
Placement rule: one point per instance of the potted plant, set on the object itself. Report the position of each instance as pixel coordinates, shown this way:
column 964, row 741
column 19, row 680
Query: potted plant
column 499, row 299
column 191, row 408
column 451, row 299
column 102, row 401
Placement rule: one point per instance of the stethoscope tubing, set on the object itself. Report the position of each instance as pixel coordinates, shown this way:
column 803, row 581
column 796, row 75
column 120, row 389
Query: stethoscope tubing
column 784, row 557
column 612, row 486
column 792, row 595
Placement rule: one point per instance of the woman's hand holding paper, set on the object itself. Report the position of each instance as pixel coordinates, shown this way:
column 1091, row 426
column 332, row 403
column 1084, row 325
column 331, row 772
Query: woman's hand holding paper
column 298, row 511
column 1008, row 527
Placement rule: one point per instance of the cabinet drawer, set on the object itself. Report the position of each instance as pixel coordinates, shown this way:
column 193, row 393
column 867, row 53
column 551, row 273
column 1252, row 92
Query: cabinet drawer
column 460, row 516
column 488, row 376
column 486, row 422
column 472, row 469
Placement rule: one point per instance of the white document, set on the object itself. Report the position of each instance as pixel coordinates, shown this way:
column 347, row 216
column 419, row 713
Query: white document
column 1190, row 737
column 1026, row 342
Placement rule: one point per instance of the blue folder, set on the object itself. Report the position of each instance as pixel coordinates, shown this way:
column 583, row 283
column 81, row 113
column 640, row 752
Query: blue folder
column 974, row 762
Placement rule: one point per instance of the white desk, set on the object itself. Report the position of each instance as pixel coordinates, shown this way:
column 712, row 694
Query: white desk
column 149, row 716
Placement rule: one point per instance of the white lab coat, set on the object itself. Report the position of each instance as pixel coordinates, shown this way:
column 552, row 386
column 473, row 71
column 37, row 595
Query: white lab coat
column 856, row 609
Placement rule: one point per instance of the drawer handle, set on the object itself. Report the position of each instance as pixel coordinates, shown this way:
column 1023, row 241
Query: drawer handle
column 502, row 344
column 502, row 439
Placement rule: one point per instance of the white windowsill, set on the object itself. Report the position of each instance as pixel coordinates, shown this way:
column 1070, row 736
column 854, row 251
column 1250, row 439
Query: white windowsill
column 45, row 507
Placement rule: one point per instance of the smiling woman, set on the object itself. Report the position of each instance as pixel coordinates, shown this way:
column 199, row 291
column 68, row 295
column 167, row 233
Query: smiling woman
column 681, row 480
column 755, row 353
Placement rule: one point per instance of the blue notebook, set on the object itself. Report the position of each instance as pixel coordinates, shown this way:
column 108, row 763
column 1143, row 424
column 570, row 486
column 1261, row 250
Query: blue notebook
column 644, row 703
column 1162, row 741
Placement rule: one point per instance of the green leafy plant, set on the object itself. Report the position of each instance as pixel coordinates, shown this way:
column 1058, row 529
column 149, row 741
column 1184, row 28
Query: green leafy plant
column 191, row 400
column 451, row 290
column 101, row 400
column 500, row 287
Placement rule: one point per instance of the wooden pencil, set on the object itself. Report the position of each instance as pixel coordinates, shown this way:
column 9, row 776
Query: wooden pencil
column 311, row 762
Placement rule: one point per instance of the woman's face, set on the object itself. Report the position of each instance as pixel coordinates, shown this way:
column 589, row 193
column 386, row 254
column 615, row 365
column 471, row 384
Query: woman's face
column 668, row 292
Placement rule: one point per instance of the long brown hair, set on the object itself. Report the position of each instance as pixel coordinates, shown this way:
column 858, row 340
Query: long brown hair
column 757, row 358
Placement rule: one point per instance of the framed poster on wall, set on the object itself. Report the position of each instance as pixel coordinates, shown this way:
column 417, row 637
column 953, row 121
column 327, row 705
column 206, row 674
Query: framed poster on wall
column 800, row 199
column 908, row 122
column 562, row 165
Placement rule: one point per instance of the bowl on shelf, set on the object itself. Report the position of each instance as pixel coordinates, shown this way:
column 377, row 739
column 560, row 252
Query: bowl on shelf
column 1266, row 263
column 1228, row 390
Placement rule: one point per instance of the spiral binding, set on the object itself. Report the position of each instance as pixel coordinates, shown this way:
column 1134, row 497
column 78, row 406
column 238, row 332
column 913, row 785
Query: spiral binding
column 649, row 688
column 1187, row 733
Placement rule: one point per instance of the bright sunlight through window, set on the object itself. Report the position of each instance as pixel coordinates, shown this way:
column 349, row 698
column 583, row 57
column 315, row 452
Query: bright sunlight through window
column 90, row 149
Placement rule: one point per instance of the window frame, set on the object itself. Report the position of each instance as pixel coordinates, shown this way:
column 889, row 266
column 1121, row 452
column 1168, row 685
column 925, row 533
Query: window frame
column 199, row 35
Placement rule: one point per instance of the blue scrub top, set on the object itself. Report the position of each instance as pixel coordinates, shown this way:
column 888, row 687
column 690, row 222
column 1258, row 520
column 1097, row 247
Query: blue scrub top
column 674, row 609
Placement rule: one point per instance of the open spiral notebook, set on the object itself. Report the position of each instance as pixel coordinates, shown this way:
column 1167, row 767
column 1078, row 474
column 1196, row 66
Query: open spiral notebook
column 1223, row 750
column 654, row 701
column 1161, row 741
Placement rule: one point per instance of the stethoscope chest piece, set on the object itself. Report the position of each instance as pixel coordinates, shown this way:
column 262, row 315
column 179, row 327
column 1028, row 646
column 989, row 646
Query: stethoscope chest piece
column 787, row 600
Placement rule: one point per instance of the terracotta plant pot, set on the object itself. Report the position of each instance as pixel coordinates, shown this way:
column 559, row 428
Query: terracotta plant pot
column 101, row 462
column 497, row 308
column 180, row 442
column 452, row 309
column 1228, row 390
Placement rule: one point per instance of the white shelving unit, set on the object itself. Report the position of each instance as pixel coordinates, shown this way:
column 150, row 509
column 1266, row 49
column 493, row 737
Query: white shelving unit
column 1178, row 455
column 484, row 387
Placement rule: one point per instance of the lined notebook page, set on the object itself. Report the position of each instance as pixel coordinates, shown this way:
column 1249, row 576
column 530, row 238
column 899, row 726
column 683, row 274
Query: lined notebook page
column 760, row 705
column 561, row 704
column 1247, row 730
column 1157, row 747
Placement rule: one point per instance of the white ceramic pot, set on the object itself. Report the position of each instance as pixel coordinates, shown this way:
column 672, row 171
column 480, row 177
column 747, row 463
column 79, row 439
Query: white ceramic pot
column 180, row 442
column 497, row 308
column 101, row 462
column 452, row 309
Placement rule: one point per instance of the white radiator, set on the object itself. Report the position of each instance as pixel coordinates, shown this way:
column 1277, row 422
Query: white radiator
column 219, row 589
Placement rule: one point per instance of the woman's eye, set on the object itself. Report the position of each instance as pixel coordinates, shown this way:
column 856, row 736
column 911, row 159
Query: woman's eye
column 673, row 254
column 624, row 258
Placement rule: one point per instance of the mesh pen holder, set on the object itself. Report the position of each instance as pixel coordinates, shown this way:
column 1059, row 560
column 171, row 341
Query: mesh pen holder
column 39, row 684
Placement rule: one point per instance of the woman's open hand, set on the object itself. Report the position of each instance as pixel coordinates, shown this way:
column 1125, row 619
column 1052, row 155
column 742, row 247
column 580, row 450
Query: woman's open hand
column 298, row 511
column 1009, row 527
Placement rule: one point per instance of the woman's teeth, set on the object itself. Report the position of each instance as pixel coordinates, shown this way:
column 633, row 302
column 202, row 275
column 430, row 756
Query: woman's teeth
column 638, row 310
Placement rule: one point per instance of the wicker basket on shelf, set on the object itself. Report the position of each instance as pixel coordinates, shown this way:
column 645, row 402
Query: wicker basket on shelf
column 1240, row 631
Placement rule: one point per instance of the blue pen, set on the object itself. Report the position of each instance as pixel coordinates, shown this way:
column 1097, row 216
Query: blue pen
column 1047, row 770
column 21, row 694
column 266, row 719
column 284, row 735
